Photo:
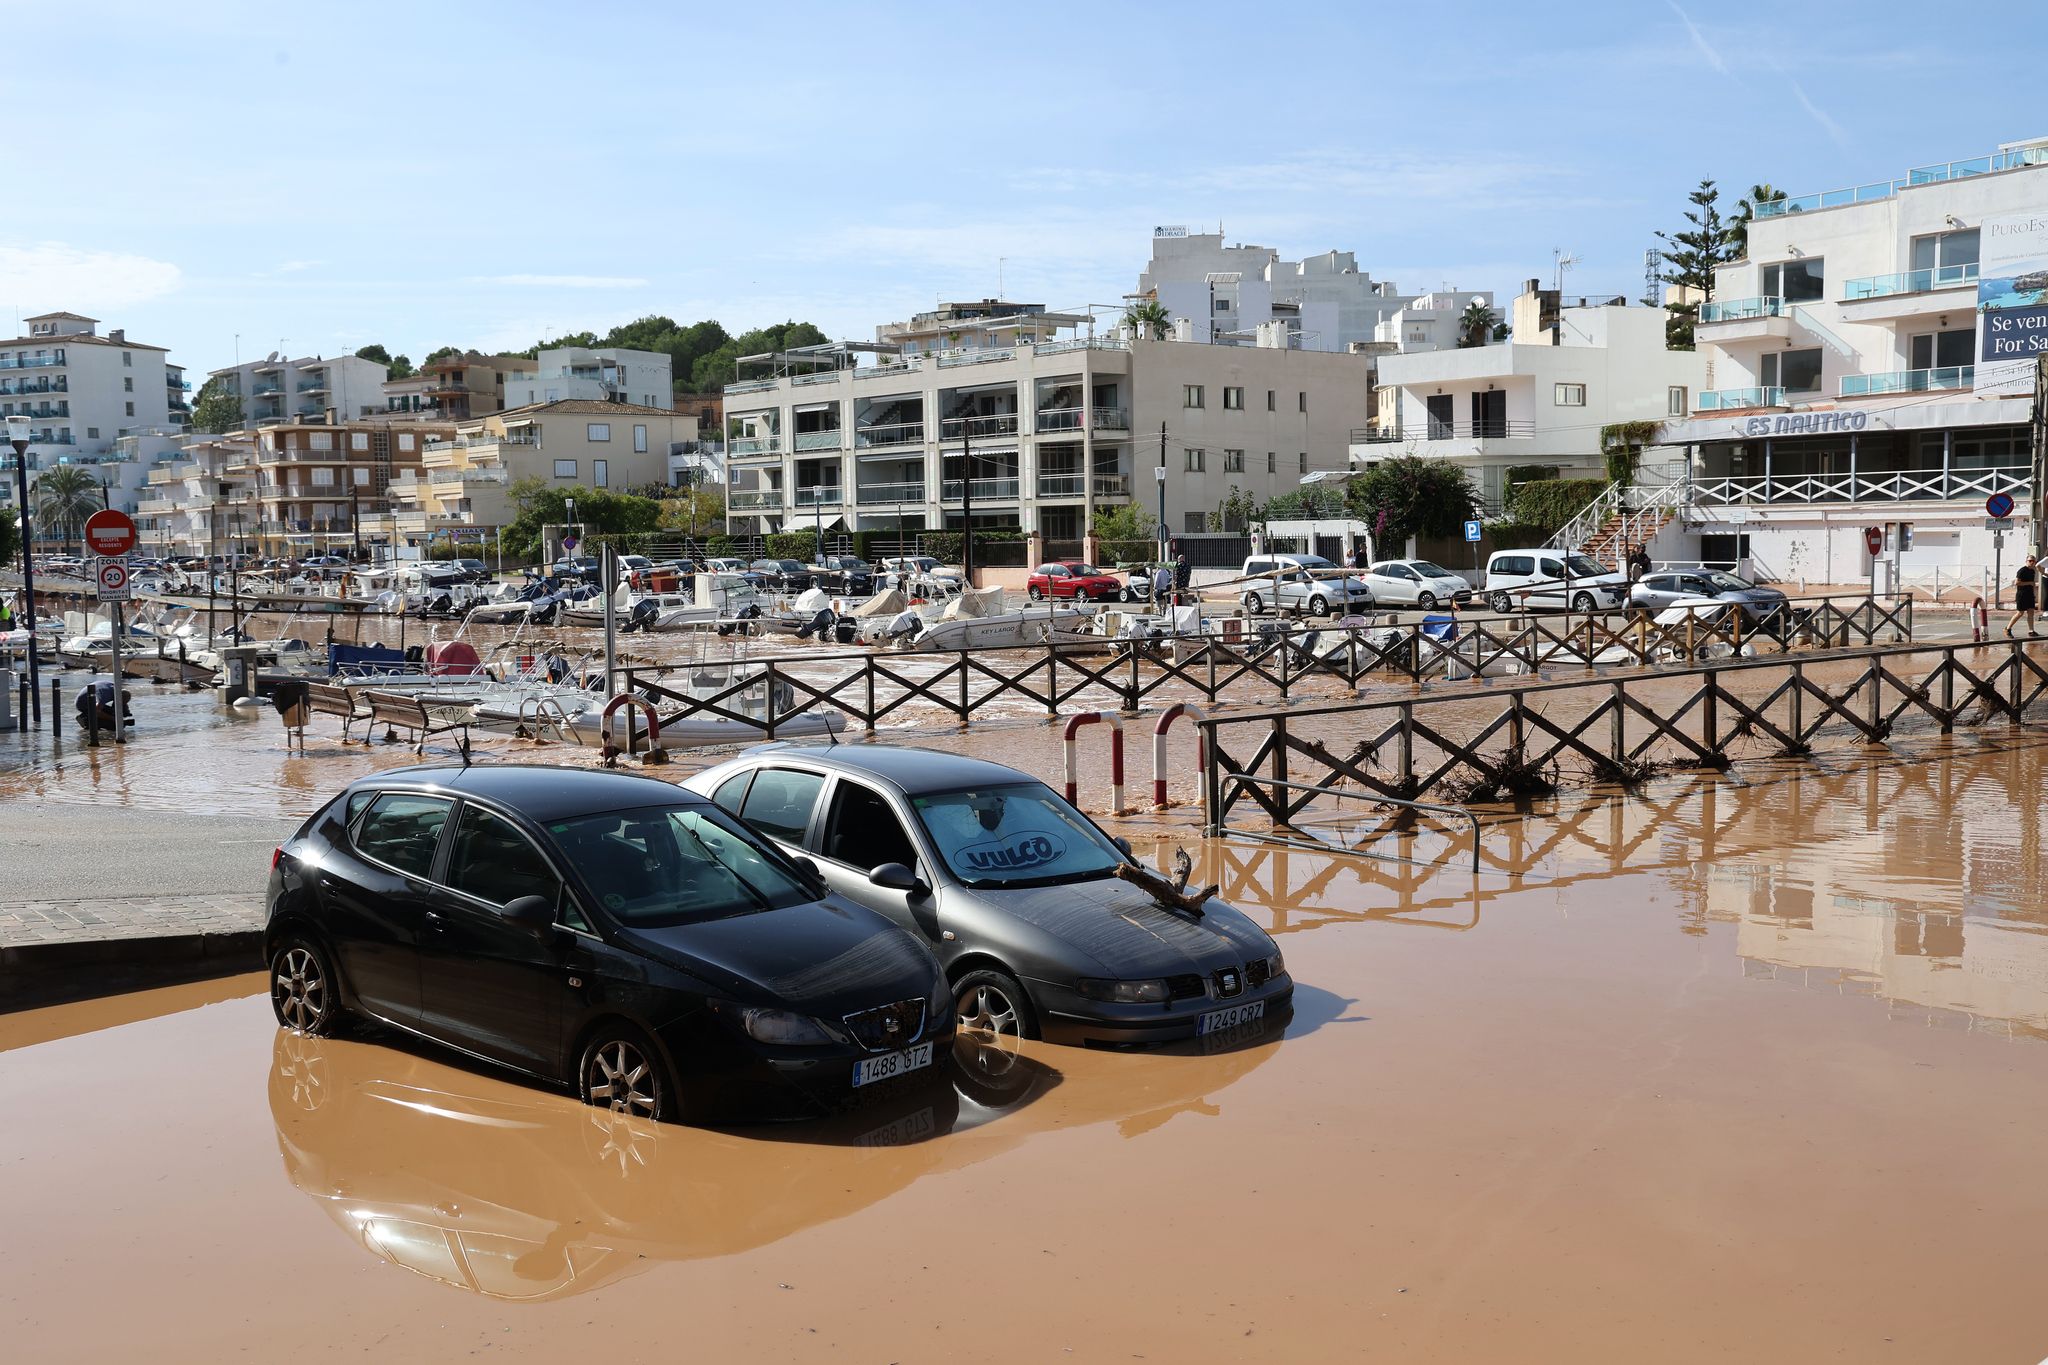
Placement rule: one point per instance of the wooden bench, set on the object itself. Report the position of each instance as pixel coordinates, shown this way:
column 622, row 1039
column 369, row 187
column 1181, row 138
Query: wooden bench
column 397, row 711
column 329, row 699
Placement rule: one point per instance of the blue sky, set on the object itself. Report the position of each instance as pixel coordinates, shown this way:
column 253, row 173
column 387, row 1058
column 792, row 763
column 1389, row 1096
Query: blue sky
column 429, row 174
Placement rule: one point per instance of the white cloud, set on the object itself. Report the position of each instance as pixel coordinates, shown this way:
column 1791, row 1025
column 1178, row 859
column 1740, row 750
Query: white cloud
column 1699, row 40
column 565, row 281
column 53, row 275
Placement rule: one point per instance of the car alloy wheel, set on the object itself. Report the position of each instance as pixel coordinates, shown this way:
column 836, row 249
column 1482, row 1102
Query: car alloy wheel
column 1501, row 603
column 1253, row 603
column 302, row 989
column 619, row 1073
column 1583, row 602
column 991, row 1005
column 1427, row 601
column 1319, row 605
column 1034, row 592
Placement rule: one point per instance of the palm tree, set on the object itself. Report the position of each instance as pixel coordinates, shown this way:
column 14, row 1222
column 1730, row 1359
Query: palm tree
column 1476, row 324
column 1148, row 318
column 65, row 497
column 1745, row 209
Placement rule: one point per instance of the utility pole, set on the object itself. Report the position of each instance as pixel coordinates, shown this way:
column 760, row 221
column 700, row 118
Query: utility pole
column 18, row 439
column 967, row 499
column 1160, row 478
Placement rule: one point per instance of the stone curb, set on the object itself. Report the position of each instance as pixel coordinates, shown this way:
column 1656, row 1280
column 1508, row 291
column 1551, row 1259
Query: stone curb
column 36, row 974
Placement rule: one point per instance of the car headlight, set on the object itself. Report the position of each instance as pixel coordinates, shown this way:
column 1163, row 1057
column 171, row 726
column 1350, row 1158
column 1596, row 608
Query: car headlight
column 785, row 1028
column 1276, row 965
column 1123, row 992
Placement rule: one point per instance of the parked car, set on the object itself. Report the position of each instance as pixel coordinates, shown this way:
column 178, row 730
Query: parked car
column 1307, row 583
column 1071, row 578
column 1538, row 580
column 475, row 570
column 573, row 566
column 920, row 575
column 737, row 568
column 1687, row 587
column 1015, row 890
column 847, row 574
column 1415, row 583
column 608, row 932
column 782, row 575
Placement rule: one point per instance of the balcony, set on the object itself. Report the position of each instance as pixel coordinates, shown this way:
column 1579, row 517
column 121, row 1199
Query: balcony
column 1732, row 400
column 1112, row 485
column 756, row 500
column 820, row 495
column 1058, row 419
column 752, row 447
column 753, row 386
column 30, row 362
column 440, row 477
column 893, row 434
column 172, row 381
column 991, row 490
column 1904, row 485
column 1112, row 419
column 265, row 389
column 1062, row 485
column 1908, row 381
column 994, row 424
column 949, row 359
column 1911, row 282
column 824, row 377
column 2010, row 159
column 889, row 494
column 819, row 440
column 312, row 386
column 1742, row 310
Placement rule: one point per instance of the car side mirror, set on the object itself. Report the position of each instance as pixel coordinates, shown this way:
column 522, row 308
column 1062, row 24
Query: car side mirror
column 896, row 877
column 810, row 871
column 534, row 914
column 1125, row 845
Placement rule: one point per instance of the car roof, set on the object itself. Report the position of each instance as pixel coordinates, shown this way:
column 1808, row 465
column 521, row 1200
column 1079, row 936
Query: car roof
column 907, row 768
column 539, row 791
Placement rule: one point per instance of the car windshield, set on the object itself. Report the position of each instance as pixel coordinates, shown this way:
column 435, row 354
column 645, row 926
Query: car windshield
column 660, row 865
column 1014, row 836
column 1728, row 582
column 1581, row 566
column 1312, row 562
column 1083, row 570
column 1429, row 570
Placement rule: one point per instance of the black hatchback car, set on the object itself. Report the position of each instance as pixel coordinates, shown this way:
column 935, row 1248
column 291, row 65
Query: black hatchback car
column 611, row 933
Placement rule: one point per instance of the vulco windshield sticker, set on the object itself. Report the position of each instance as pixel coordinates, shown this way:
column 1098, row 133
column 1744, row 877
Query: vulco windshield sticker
column 1009, row 855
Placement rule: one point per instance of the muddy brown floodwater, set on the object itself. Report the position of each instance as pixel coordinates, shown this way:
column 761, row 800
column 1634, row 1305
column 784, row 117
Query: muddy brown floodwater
column 1748, row 1068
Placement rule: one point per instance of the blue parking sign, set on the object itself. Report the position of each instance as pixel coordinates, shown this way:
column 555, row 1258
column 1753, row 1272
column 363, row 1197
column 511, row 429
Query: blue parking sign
column 1471, row 530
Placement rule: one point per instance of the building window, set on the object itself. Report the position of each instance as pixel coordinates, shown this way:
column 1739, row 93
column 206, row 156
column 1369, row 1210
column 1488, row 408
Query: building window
column 1793, row 371
column 127, row 384
column 128, row 360
column 1301, row 402
column 1270, row 400
column 640, row 437
column 405, row 441
column 131, row 409
column 1799, row 281
column 1940, row 350
column 732, row 477
column 598, row 431
column 1570, row 395
column 320, row 440
column 362, row 477
column 1233, row 462
column 1303, row 462
column 1272, row 463
column 1191, row 396
column 323, row 477
column 565, row 469
column 601, row 473
column 92, row 433
column 359, row 440
column 1675, row 401
column 1950, row 255
column 1195, row 460
column 1233, row 400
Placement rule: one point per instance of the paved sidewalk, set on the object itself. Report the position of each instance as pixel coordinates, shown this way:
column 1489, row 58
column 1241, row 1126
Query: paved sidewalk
column 126, row 917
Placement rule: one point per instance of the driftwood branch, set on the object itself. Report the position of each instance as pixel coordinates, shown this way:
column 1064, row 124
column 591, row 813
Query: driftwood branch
column 1164, row 891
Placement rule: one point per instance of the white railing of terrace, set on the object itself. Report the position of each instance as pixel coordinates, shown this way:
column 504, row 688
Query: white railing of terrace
column 948, row 359
column 819, row 440
column 1643, row 507
column 820, row 495
column 1909, row 381
column 1001, row 490
column 891, row 434
column 1728, row 400
column 822, row 377
column 1080, row 344
column 1909, row 485
column 2010, row 159
column 744, row 446
column 1069, row 419
column 1909, row 282
column 993, row 424
column 1062, row 485
column 889, row 494
column 1740, row 310
column 756, row 500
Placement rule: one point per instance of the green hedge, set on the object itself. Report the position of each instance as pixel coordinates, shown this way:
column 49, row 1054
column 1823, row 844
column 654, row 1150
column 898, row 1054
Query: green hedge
column 1550, row 503
column 1517, row 535
column 943, row 546
column 801, row 545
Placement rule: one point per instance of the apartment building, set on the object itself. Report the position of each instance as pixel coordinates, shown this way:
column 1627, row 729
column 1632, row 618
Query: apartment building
column 464, row 476
column 1534, row 404
column 578, row 373
column 278, row 389
column 82, row 392
column 201, row 499
column 315, row 481
column 453, row 388
column 1857, row 378
column 1324, row 302
column 1429, row 322
column 1048, row 429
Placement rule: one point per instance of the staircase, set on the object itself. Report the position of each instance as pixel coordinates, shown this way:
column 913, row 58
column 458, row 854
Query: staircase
column 1609, row 544
column 1623, row 515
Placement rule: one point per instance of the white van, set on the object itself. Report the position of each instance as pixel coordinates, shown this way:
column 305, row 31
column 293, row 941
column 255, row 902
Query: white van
column 1551, row 580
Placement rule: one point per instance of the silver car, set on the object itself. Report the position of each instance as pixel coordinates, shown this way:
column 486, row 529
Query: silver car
column 1308, row 583
column 1015, row 890
column 1682, row 587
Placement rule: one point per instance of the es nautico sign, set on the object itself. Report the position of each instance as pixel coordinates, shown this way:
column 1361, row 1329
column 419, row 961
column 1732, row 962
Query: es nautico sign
column 1802, row 424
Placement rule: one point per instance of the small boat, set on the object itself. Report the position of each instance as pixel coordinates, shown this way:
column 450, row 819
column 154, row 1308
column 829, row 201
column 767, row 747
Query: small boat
column 976, row 620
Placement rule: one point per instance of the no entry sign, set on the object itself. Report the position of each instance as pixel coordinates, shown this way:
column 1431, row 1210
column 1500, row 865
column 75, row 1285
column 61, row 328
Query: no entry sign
column 109, row 533
column 1873, row 539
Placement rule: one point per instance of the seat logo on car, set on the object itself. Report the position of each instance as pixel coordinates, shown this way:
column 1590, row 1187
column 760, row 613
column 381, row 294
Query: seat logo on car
column 1007, row 856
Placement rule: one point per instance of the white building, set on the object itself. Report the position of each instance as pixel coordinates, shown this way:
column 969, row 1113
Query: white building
column 199, row 499
column 1325, row 301
column 1846, row 388
column 874, row 436
column 277, row 389
column 610, row 375
column 1539, row 399
column 1428, row 322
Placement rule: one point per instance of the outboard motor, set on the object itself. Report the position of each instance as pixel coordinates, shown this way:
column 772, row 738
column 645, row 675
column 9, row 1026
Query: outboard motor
column 642, row 616
column 846, row 630
column 819, row 625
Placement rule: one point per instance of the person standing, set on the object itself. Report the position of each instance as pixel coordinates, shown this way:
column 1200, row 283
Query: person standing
column 1638, row 562
column 2026, row 584
column 1183, row 574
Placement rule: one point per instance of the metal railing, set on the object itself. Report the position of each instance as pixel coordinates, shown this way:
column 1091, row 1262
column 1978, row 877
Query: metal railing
column 889, row 493
column 1111, row 419
column 1908, row 381
column 1727, row 400
column 1058, row 419
column 744, row 446
column 1232, row 780
column 1080, row 344
column 1502, row 429
column 1112, row 485
column 1738, row 310
column 891, row 434
column 30, row 362
column 1909, row 485
column 1001, row 490
column 820, row 495
column 767, row 499
column 47, row 384
column 1909, row 282
column 992, row 424
column 2010, row 159
column 948, row 359
column 752, row 386
column 821, row 377
column 445, row 476
column 820, row 440
column 1062, row 485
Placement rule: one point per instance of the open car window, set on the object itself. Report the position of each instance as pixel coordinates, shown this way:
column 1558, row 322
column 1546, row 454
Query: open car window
column 1014, row 835
column 659, row 865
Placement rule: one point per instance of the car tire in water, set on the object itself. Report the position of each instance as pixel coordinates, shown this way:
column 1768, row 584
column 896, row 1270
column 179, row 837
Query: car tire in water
column 1584, row 603
column 1427, row 601
column 621, row 1071
column 304, row 993
column 991, row 1003
column 1319, row 605
column 1501, row 603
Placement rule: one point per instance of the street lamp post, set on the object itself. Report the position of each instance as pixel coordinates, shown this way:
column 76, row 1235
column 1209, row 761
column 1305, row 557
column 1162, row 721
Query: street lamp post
column 17, row 437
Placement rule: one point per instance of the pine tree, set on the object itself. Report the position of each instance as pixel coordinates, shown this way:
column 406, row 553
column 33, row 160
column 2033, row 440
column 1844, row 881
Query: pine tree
column 1689, row 260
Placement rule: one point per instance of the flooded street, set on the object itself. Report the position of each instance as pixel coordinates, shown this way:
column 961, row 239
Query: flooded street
column 1737, row 1068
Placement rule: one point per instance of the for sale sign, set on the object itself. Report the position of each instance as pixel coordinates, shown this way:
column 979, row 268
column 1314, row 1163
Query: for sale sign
column 2012, row 301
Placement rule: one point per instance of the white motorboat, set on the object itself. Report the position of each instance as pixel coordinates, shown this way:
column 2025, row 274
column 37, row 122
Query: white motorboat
column 975, row 619
column 716, row 597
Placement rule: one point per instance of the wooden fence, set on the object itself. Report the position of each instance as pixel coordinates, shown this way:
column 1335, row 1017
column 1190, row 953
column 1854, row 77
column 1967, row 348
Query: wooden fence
column 1403, row 749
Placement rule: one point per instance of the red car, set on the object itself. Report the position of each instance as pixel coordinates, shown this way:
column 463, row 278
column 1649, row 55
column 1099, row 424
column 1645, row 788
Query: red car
column 1071, row 578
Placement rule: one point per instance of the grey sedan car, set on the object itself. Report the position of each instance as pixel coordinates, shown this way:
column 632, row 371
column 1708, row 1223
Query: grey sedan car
column 1682, row 587
column 1014, row 889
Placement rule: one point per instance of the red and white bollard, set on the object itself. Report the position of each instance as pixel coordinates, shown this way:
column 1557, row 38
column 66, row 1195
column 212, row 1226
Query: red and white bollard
column 1165, row 723
column 1980, row 621
column 1116, row 756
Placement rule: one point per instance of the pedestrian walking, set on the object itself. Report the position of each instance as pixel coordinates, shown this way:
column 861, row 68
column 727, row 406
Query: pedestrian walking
column 1638, row 562
column 2026, row 581
column 1183, row 574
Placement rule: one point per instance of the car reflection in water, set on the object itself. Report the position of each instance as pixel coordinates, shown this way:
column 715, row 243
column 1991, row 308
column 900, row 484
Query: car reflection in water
column 513, row 1193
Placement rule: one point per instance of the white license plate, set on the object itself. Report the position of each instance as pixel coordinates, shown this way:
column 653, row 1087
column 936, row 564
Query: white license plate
column 868, row 1070
column 1230, row 1017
